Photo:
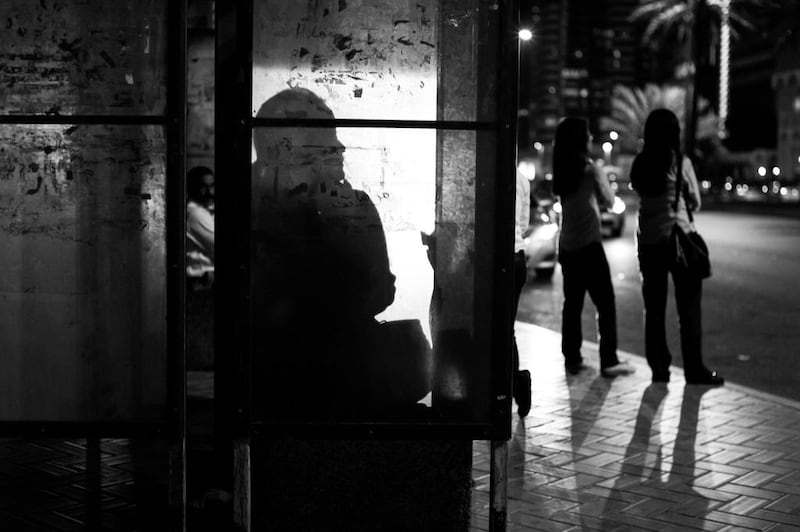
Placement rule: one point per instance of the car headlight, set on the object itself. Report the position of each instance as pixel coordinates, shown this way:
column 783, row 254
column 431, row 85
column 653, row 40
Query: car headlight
column 619, row 206
column 546, row 232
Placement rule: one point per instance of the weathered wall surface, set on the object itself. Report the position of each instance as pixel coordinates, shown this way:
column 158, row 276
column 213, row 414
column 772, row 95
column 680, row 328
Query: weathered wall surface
column 200, row 101
column 366, row 58
column 82, row 57
column 200, row 84
column 371, row 60
column 82, row 213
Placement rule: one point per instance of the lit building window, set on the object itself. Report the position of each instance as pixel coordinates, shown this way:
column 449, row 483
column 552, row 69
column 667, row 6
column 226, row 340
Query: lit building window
column 617, row 54
column 579, row 54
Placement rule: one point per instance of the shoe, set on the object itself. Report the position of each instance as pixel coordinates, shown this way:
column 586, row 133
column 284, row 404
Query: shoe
column 709, row 378
column 618, row 369
column 573, row 368
column 522, row 392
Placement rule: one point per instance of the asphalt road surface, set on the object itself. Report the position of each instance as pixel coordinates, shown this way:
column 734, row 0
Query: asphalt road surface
column 751, row 304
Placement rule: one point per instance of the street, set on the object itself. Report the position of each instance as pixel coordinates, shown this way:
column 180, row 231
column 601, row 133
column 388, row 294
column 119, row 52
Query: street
column 751, row 304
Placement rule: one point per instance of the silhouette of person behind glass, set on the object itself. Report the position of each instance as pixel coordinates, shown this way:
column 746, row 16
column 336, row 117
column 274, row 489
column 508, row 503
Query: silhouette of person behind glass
column 320, row 275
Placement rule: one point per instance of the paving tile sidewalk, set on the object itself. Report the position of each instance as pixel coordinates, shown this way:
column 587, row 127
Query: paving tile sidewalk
column 593, row 454
column 625, row 454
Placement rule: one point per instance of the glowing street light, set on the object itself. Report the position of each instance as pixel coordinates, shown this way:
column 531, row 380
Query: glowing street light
column 613, row 135
column 762, row 171
column 525, row 34
column 607, row 147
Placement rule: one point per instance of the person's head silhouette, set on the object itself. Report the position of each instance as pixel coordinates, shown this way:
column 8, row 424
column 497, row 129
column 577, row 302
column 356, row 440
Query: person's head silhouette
column 200, row 186
column 298, row 156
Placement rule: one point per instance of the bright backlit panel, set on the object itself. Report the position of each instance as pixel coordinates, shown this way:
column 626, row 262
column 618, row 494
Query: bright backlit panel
column 373, row 247
column 372, row 59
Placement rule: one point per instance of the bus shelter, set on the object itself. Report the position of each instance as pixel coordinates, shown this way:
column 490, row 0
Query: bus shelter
column 366, row 153
column 365, row 158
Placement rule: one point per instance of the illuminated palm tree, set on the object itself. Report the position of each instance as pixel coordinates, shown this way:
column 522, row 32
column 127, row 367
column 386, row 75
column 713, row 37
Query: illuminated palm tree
column 631, row 105
column 698, row 25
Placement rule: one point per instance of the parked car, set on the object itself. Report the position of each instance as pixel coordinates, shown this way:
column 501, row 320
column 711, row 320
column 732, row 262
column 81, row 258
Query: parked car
column 541, row 240
column 612, row 221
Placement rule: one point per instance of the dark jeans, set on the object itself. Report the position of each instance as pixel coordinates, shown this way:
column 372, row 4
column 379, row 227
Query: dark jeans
column 586, row 270
column 653, row 261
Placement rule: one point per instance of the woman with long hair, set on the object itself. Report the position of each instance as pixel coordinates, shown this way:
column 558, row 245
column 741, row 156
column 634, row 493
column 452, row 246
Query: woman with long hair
column 583, row 189
column 655, row 177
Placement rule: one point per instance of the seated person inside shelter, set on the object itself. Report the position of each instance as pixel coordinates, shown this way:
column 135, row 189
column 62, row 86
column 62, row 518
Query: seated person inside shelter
column 200, row 228
column 320, row 276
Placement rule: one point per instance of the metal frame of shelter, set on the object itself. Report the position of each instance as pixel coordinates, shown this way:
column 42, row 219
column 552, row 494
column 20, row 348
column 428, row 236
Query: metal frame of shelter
column 234, row 126
column 173, row 427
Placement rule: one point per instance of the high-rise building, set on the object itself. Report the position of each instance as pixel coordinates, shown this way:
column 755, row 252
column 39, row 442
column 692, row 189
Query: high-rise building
column 541, row 63
column 786, row 83
column 752, row 121
column 578, row 52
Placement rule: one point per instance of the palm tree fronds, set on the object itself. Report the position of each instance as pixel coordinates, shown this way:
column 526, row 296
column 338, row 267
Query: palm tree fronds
column 666, row 19
column 647, row 9
column 630, row 107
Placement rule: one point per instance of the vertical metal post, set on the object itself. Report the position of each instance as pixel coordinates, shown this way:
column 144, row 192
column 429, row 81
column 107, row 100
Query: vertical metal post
column 233, row 116
column 508, row 96
column 93, row 484
column 507, row 62
column 498, row 494
column 176, row 262
column 241, row 484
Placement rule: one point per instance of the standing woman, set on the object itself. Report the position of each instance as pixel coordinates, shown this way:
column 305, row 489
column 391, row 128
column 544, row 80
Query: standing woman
column 654, row 176
column 583, row 189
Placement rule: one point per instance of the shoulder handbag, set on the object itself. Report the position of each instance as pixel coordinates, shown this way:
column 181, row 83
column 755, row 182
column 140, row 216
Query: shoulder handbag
column 399, row 368
column 690, row 250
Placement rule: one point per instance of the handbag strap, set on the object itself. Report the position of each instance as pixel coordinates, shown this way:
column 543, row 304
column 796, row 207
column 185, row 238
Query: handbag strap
column 679, row 190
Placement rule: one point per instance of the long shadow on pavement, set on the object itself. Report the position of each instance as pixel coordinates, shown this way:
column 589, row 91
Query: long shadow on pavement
column 642, row 491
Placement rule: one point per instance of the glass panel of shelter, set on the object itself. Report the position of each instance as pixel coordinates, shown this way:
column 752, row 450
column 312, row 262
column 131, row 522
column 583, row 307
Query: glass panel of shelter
column 82, row 212
column 369, row 301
